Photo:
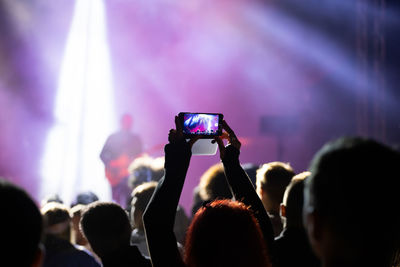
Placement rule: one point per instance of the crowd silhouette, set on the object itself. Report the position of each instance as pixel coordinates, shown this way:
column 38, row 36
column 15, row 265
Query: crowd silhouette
column 343, row 211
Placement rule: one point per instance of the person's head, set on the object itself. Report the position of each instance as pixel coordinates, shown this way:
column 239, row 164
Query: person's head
column 126, row 122
column 225, row 233
column 56, row 220
column 157, row 167
column 85, row 198
column 140, row 171
column 272, row 179
column 292, row 205
column 21, row 226
column 51, row 198
column 140, row 198
column 351, row 202
column 76, row 235
column 107, row 228
column 213, row 184
column 144, row 169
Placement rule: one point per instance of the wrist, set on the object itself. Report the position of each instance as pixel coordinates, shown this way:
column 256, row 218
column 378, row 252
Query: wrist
column 231, row 155
column 177, row 155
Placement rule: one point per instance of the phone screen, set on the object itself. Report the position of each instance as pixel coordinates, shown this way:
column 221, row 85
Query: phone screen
column 206, row 124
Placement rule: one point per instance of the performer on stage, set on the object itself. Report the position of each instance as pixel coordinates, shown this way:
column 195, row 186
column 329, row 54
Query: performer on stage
column 117, row 153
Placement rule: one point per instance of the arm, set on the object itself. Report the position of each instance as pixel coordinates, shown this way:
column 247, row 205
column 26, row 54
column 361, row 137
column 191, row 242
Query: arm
column 241, row 186
column 242, row 189
column 160, row 213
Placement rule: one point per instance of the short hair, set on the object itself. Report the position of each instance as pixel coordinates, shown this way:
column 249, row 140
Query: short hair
column 55, row 213
column 273, row 178
column 76, row 210
column 351, row 180
column 213, row 184
column 56, row 220
column 293, row 199
column 21, row 225
column 52, row 198
column 85, row 198
column 145, row 169
column 158, row 168
column 141, row 195
column 225, row 233
column 106, row 226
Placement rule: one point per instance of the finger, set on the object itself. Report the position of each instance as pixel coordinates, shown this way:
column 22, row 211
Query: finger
column 178, row 126
column 221, row 145
column 226, row 127
column 172, row 135
column 193, row 140
column 224, row 135
column 235, row 142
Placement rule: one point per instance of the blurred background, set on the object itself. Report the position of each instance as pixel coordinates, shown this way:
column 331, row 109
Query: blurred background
column 288, row 76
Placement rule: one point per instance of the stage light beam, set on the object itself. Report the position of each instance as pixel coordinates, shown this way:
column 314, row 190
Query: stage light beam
column 84, row 109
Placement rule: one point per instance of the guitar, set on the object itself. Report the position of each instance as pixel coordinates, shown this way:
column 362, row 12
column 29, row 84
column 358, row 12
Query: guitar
column 117, row 169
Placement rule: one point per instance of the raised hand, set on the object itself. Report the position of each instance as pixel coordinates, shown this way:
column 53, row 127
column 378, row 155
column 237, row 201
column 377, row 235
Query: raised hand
column 176, row 135
column 229, row 135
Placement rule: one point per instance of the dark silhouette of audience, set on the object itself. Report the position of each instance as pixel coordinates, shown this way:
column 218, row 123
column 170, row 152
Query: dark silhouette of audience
column 272, row 179
column 293, row 239
column 77, row 237
column 222, row 233
column 225, row 233
column 212, row 186
column 21, row 226
column 85, row 198
column 144, row 170
column 59, row 250
column 344, row 212
column 107, row 228
column 140, row 198
column 51, row 198
column 351, row 203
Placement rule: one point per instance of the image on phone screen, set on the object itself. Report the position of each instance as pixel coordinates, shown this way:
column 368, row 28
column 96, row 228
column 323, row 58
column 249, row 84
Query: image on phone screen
column 201, row 124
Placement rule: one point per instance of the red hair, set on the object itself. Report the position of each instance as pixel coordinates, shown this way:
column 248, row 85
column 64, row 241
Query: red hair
column 225, row 233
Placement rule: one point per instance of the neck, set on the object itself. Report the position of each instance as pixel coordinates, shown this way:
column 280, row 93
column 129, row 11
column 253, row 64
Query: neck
column 269, row 206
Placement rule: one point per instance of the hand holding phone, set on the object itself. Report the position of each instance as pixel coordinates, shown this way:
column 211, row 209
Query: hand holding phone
column 230, row 135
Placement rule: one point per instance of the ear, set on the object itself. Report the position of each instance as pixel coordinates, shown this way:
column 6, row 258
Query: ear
column 39, row 256
column 282, row 210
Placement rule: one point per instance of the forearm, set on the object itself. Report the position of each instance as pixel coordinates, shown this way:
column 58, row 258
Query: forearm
column 243, row 190
column 159, row 216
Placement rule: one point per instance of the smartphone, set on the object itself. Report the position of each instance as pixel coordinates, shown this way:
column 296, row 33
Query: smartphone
column 204, row 125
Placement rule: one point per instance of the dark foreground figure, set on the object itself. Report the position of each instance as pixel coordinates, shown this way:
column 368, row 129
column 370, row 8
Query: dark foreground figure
column 351, row 208
column 21, row 226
